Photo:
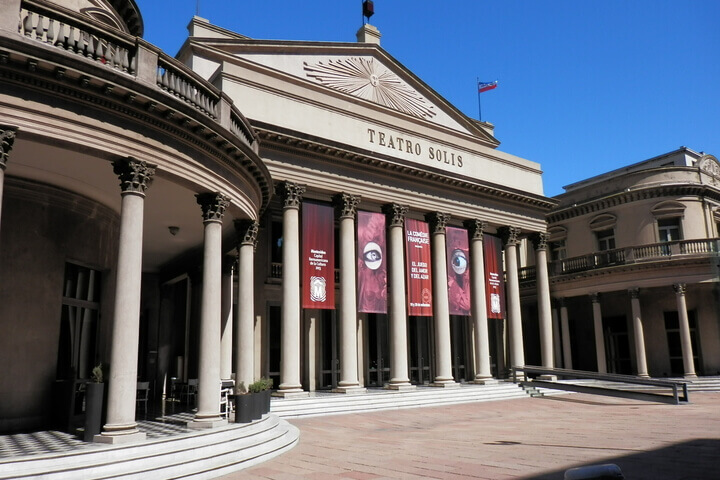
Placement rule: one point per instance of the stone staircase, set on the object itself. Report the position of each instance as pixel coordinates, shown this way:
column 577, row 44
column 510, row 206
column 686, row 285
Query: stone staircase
column 191, row 455
column 325, row 403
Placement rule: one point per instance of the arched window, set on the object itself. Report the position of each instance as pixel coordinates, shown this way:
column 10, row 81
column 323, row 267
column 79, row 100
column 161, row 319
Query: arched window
column 604, row 227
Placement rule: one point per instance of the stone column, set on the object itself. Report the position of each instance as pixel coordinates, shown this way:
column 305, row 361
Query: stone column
column 247, row 231
column 685, row 339
column 564, row 322
column 478, row 302
column 399, row 379
column 510, row 240
column 7, row 138
column 226, row 325
column 208, row 415
column 543, row 294
column 441, row 307
column 642, row 370
column 346, row 206
column 290, row 385
column 599, row 335
column 135, row 177
column 557, row 343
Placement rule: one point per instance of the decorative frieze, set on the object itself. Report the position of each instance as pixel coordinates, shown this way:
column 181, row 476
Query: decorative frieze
column 438, row 221
column 346, row 204
column 291, row 193
column 509, row 235
column 395, row 214
column 213, row 206
column 7, row 139
column 475, row 228
column 135, row 175
column 247, row 232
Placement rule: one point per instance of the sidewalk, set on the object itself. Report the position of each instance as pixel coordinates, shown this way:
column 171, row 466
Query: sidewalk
column 530, row 438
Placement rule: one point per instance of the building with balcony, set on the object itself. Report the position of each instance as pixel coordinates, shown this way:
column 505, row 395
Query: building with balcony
column 635, row 258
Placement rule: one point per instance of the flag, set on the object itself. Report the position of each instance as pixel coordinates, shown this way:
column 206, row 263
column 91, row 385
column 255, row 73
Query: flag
column 485, row 86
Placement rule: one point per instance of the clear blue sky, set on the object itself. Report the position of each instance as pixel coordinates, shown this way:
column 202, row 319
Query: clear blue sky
column 585, row 86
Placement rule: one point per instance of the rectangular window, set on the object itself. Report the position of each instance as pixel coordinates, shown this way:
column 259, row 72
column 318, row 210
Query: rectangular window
column 669, row 229
column 77, row 350
column 557, row 250
column 605, row 239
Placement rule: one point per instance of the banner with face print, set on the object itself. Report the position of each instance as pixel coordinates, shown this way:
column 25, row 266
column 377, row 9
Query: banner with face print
column 458, row 270
column 419, row 279
column 494, row 279
column 318, row 256
column 371, row 265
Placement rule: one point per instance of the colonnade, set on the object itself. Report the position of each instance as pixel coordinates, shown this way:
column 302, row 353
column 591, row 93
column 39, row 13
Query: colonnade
column 638, row 330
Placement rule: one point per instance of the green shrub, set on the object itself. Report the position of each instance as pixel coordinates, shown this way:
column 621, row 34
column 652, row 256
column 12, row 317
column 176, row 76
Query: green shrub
column 260, row 385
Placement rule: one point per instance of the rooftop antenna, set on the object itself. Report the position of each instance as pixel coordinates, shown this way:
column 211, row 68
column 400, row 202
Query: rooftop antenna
column 368, row 10
column 197, row 8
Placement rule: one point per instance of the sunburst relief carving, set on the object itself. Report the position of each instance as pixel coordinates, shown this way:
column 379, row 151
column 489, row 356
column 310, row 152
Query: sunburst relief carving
column 372, row 81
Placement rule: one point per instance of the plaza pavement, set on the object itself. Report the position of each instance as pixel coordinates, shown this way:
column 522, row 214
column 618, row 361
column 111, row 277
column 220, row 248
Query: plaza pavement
column 528, row 438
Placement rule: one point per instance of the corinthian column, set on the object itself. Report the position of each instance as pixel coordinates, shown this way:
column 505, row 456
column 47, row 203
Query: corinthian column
column 543, row 294
column 213, row 207
column 510, row 240
column 685, row 339
column 135, row 177
column 247, row 231
column 398, row 314
column 346, row 206
column 642, row 370
column 478, row 301
column 441, row 308
column 7, row 138
column 290, row 323
column 226, row 323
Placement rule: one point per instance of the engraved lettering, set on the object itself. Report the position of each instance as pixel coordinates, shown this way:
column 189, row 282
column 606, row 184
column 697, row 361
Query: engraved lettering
column 460, row 162
column 391, row 143
column 372, row 134
column 381, row 139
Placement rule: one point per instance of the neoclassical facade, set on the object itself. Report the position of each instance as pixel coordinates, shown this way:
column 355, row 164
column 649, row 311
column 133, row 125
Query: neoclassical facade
column 634, row 269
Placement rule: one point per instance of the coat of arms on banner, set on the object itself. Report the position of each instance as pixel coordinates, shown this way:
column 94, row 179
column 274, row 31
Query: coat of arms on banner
column 317, row 289
column 494, row 303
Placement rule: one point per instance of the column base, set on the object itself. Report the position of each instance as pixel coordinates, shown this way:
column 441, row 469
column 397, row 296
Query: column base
column 400, row 387
column 643, row 375
column 135, row 436
column 350, row 390
column 690, row 376
column 299, row 393
column 206, row 423
column 548, row 378
column 445, row 384
column 486, row 381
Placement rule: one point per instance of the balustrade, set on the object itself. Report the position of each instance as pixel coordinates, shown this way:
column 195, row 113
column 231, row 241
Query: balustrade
column 177, row 79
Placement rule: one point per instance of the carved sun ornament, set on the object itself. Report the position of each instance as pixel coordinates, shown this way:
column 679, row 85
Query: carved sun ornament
column 366, row 79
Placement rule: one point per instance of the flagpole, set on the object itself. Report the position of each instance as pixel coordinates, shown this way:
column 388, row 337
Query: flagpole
column 477, row 86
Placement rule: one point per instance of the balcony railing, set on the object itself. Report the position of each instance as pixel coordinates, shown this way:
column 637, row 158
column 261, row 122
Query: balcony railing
column 626, row 256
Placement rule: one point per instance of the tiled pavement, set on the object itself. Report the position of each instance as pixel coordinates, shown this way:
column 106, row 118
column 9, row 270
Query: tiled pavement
column 530, row 438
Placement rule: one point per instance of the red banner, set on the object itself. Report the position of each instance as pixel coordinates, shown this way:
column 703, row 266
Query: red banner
column 417, row 245
column 458, row 270
column 494, row 280
column 318, row 256
column 371, row 266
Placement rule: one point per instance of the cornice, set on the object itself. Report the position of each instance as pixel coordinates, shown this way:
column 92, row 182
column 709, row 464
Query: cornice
column 288, row 142
column 645, row 193
column 51, row 71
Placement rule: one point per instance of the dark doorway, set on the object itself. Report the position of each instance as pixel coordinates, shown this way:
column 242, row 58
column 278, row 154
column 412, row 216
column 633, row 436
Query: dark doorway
column 330, row 360
column 459, row 339
column 274, row 343
column 421, row 365
column 617, row 345
column 378, row 350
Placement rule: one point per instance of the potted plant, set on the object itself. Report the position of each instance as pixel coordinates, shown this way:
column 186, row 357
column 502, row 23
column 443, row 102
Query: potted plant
column 94, row 395
column 262, row 388
column 244, row 405
column 255, row 402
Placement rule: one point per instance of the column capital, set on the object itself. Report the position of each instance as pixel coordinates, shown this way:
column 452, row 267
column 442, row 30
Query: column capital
column 680, row 288
column 509, row 235
column 247, row 232
column 634, row 292
column 475, row 228
column 135, row 175
column 594, row 297
column 396, row 214
column 346, row 204
column 7, row 139
column 291, row 193
column 438, row 221
column 213, row 205
column 540, row 240
column 560, row 302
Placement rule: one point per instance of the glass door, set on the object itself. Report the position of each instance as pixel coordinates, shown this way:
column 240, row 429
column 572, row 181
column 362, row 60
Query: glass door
column 459, row 335
column 378, row 350
column 330, row 360
column 421, row 364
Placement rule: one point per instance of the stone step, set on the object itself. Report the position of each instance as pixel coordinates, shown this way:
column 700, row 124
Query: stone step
column 376, row 400
column 192, row 455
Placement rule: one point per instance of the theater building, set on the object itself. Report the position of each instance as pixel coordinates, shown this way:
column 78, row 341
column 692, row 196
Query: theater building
column 307, row 211
column 634, row 269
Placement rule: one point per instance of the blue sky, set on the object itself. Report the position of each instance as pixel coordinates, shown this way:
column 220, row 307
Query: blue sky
column 584, row 86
